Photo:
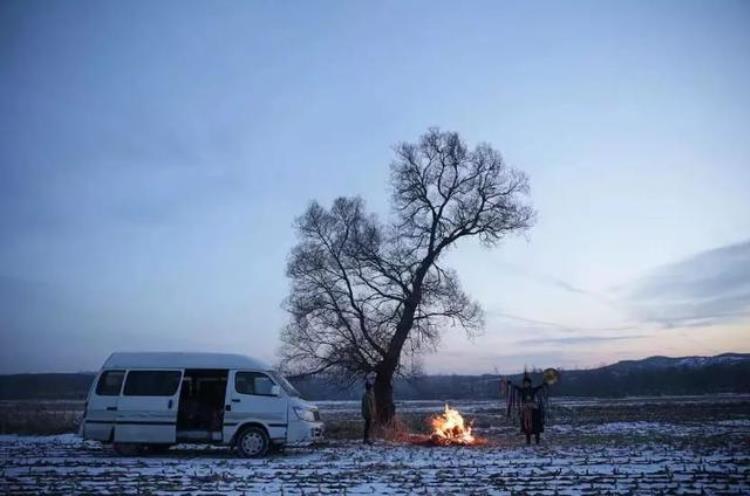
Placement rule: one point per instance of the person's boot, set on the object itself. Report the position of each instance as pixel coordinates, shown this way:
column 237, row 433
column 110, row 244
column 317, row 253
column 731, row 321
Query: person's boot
column 536, row 438
column 528, row 439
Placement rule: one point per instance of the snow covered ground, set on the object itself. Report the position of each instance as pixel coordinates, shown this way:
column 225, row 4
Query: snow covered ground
column 648, row 456
column 65, row 465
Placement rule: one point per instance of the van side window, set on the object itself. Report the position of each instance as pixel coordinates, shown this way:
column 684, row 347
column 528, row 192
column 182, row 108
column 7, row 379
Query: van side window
column 110, row 383
column 152, row 382
column 253, row 383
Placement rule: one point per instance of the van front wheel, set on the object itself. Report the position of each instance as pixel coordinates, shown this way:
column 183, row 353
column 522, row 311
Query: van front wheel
column 158, row 449
column 252, row 442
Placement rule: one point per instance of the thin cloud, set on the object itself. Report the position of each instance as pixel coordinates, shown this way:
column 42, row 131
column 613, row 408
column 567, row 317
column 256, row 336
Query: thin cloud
column 560, row 284
column 709, row 288
column 573, row 340
column 565, row 285
column 548, row 280
column 563, row 327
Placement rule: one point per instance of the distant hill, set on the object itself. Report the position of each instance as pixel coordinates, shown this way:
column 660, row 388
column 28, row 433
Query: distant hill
column 726, row 373
column 662, row 362
column 657, row 375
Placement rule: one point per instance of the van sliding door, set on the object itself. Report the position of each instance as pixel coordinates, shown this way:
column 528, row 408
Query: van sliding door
column 147, row 409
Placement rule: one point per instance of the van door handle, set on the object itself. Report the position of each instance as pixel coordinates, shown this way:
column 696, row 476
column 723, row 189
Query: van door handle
column 112, row 408
column 169, row 405
column 235, row 400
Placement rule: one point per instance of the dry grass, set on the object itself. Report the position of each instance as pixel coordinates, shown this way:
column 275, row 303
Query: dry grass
column 45, row 418
column 344, row 429
column 40, row 417
column 398, row 430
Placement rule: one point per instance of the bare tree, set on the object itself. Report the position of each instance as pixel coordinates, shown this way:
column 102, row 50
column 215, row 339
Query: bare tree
column 368, row 297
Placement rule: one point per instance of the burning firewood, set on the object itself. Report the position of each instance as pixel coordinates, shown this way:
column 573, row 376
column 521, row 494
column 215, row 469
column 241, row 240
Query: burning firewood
column 450, row 428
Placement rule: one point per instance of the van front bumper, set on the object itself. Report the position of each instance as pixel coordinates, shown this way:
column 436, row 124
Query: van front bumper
column 305, row 433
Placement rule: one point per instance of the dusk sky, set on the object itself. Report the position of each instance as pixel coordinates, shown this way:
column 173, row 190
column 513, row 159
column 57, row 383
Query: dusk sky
column 154, row 155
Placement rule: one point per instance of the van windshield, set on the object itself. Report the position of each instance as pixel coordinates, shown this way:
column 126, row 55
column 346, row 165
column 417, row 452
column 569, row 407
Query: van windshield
column 284, row 383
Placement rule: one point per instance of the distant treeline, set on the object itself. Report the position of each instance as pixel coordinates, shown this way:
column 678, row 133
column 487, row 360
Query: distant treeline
column 729, row 373
column 45, row 386
column 608, row 381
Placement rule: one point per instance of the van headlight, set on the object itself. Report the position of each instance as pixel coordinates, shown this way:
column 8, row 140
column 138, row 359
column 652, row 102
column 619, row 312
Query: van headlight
column 306, row 414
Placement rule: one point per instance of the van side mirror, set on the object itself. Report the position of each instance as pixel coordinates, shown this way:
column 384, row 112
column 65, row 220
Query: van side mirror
column 275, row 390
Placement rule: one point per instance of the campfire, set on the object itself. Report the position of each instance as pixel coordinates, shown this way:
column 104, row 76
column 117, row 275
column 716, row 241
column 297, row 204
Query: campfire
column 450, row 428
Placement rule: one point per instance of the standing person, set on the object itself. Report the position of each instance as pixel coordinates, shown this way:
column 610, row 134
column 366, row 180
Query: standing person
column 368, row 410
column 530, row 402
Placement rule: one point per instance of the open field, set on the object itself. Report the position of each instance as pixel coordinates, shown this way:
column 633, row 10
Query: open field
column 697, row 445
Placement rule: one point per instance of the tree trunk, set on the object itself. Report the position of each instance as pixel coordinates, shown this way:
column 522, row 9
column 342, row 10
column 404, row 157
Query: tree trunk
column 385, row 408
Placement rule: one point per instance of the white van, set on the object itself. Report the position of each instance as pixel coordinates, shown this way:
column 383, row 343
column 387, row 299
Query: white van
column 154, row 400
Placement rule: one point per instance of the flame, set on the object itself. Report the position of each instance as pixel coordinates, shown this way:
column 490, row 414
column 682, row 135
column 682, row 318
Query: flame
column 450, row 428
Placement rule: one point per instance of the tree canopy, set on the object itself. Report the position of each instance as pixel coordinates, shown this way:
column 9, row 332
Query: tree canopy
column 367, row 296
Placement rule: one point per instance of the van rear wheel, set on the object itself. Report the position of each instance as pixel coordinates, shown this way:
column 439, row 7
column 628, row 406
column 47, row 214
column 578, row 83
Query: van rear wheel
column 127, row 449
column 252, row 442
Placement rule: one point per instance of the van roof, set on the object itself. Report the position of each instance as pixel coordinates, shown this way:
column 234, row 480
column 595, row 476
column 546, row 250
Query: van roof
column 125, row 360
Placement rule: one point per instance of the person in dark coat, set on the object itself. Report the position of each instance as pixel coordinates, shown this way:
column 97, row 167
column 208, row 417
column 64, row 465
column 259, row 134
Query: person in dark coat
column 530, row 402
column 368, row 410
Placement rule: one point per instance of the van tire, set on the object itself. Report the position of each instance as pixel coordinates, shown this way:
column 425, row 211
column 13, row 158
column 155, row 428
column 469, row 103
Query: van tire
column 252, row 442
column 127, row 449
column 158, row 449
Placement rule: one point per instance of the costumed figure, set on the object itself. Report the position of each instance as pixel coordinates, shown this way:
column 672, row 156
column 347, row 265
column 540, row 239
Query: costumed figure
column 530, row 403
